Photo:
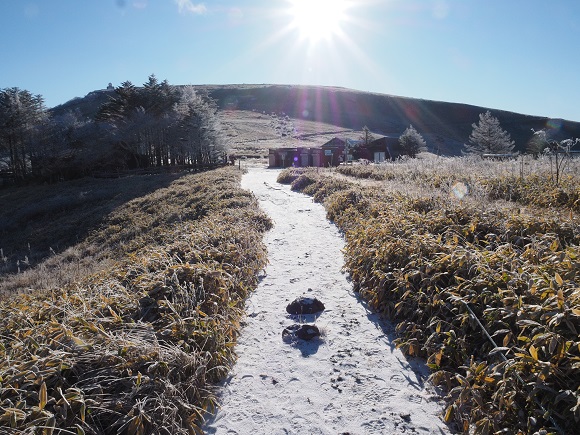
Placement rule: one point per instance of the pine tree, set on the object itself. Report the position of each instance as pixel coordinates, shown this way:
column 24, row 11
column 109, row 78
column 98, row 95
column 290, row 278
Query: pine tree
column 199, row 128
column 488, row 137
column 142, row 117
column 159, row 124
column 21, row 116
column 366, row 136
column 120, row 105
column 411, row 142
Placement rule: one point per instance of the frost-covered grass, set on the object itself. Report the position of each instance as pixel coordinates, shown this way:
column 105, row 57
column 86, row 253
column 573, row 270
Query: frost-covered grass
column 434, row 246
column 135, row 343
column 524, row 180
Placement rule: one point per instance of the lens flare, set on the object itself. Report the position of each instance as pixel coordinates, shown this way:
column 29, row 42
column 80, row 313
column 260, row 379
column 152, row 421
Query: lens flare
column 459, row 190
column 555, row 124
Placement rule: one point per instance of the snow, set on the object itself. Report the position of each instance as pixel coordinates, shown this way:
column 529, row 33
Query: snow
column 351, row 380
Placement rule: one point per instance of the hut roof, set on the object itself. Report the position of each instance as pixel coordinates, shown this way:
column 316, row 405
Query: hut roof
column 390, row 142
column 334, row 142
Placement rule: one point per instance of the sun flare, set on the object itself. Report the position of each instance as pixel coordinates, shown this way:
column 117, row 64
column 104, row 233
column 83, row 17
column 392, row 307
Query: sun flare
column 318, row 19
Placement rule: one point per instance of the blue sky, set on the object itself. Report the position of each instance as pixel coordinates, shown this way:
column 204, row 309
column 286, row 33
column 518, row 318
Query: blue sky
column 519, row 55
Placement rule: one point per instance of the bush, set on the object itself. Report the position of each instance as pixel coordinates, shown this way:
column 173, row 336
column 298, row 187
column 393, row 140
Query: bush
column 138, row 346
column 435, row 265
column 288, row 175
column 303, row 181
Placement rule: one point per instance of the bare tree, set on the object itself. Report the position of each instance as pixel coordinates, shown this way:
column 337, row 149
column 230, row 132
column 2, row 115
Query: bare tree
column 559, row 151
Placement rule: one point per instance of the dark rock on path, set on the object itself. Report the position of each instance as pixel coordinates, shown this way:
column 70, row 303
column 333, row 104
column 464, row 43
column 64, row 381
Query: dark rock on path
column 302, row 332
column 304, row 305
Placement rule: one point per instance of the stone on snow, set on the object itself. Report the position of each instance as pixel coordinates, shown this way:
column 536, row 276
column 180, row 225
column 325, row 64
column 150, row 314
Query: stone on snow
column 302, row 332
column 305, row 305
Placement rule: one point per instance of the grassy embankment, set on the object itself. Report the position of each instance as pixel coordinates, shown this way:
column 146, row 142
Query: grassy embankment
column 127, row 303
column 440, row 245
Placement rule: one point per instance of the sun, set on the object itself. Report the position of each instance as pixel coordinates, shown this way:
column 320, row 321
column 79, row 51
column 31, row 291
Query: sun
column 318, row 19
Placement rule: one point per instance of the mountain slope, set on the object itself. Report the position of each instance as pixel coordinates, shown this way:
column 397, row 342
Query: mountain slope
column 445, row 126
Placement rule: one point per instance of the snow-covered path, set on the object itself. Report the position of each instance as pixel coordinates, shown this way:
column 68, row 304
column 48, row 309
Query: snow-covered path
column 352, row 380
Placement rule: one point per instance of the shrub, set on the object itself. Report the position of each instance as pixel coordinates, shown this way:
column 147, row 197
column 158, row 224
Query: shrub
column 303, row 181
column 448, row 271
column 288, row 175
column 138, row 346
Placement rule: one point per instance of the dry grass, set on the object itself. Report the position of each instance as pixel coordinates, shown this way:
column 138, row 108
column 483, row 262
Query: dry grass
column 135, row 346
column 40, row 222
column 526, row 181
column 434, row 261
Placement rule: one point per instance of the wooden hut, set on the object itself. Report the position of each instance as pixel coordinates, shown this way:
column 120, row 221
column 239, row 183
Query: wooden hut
column 333, row 152
column 384, row 148
column 286, row 157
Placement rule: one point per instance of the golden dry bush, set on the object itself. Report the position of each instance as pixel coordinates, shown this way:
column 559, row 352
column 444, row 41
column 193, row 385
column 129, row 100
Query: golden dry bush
column 483, row 288
column 311, row 181
column 303, row 181
column 363, row 171
column 137, row 347
column 537, row 189
column 288, row 175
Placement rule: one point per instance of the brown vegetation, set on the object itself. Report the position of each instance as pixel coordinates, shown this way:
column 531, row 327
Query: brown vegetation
column 485, row 289
column 134, row 344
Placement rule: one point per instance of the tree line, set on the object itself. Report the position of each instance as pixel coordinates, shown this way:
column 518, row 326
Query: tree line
column 487, row 138
column 153, row 125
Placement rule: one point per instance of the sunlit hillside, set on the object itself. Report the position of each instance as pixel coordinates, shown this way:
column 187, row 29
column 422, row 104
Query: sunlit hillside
column 446, row 126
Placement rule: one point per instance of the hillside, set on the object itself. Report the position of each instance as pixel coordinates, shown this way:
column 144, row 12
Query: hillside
column 445, row 126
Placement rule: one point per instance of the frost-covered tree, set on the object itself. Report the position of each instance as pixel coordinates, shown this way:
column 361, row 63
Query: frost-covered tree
column 21, row 117
column 67, row 142
column 141, row 118
column 488, row 137
column 199, row 133
column 411, row 142
column 558, row 150
column 538, row 143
